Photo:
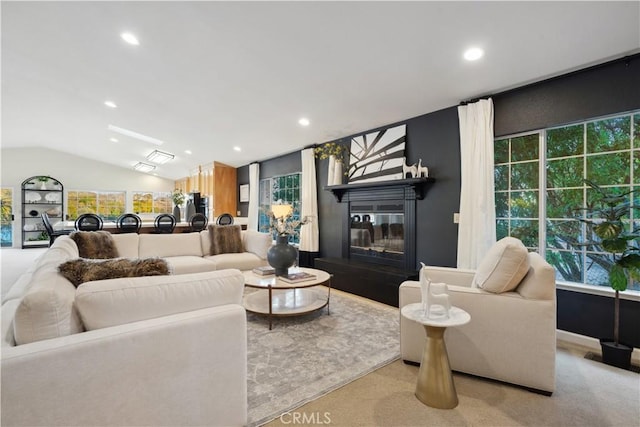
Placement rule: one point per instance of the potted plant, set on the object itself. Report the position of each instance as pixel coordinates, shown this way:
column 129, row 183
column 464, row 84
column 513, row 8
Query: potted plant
column 282, row 255
column 178, row 199
column 43, row 182
column 335, row 152
column 605, row 219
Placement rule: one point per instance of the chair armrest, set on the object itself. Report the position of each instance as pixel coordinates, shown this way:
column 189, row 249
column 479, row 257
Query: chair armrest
column 183, row 369
column 450, row 275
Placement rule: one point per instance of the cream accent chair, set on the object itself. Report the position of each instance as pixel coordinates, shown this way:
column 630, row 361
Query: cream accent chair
column 512, row 333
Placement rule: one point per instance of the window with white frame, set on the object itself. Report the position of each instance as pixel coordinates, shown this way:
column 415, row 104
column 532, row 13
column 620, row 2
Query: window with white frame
column 108, row 204
column 285, row 189
column 152, row 202
column 606, row 151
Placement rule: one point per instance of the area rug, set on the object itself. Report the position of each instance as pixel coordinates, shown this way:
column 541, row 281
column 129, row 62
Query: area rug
column 305, row 357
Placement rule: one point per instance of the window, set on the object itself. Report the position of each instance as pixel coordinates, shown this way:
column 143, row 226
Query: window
column 6, row 218
column 108, row 204
column 147, row 202
column 605, row 151
column 285, row 188
column 517, row 183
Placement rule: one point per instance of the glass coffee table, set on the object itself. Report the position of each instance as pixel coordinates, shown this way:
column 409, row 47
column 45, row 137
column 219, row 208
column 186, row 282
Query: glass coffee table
column 277, row 298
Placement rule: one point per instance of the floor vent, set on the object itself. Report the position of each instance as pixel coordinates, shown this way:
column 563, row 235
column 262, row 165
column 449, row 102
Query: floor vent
column 597, row 358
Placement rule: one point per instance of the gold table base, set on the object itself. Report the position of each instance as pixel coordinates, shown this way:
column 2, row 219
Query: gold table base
column 435, row 386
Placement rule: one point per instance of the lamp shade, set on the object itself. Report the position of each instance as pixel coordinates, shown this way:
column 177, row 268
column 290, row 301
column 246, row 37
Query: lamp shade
column 280, row 211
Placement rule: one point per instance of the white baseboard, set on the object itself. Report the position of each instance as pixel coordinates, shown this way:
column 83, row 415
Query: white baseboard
column 591, row 344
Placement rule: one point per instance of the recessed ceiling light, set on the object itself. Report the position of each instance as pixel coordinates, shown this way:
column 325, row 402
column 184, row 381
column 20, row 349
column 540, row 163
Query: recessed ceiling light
column 160, row 157
column 237, row 148
column 304, row 121
column 135, row 135
column 110, row 104
column 143, row 167
column 130, row 38
column 113, row 139
column 188, row 151
column 473, row 54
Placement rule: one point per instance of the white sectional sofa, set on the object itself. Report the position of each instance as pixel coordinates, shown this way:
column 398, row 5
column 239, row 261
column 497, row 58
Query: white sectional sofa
column 156, row 350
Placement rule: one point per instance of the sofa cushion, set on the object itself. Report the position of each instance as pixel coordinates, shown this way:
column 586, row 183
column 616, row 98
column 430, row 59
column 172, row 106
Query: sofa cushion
column 256, row 242
column 242, row 261
column 169, row 245
column 189, row 264
column 540, row 280
column 82, row 270
column 503, row 267
column 118, row 301
column 47, row 309
column 126, row 244
column 95, row 244
column 225, row 239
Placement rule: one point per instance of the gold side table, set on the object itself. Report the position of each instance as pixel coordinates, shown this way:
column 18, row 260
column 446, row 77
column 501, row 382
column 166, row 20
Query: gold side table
column 435, row 385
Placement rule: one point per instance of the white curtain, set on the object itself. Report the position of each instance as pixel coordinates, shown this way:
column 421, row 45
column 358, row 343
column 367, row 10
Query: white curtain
column 309, row 235
column 254, row 196
column 477, row 226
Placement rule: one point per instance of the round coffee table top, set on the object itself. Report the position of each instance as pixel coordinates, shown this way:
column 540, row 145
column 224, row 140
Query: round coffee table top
column 416, row 312
column 254, row 280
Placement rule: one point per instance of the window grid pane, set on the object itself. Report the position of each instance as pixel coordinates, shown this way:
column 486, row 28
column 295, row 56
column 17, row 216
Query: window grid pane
column 606, row 151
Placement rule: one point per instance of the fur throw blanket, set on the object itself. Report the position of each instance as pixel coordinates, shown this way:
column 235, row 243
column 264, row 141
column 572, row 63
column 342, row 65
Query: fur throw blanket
column 95, row 244
column 78, row 271
column 225, row 239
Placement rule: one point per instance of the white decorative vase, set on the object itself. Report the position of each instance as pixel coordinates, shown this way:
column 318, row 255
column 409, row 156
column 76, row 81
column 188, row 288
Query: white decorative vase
column 337, row 172
column 43, row 185
column 424, row 291
column 331, row 170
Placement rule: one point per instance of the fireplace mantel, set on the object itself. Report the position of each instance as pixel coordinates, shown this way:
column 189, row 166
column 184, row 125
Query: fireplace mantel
column 416, row 187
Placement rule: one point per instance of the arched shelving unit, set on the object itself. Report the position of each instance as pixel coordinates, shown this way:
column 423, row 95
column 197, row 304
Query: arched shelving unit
column 40, row 193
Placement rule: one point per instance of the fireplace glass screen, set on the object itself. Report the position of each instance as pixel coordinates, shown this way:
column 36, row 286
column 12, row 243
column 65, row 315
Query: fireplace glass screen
column 377, row 232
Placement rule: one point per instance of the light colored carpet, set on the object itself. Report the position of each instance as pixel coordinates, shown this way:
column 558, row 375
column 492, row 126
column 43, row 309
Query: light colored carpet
column 305, row 357
column 588, row 394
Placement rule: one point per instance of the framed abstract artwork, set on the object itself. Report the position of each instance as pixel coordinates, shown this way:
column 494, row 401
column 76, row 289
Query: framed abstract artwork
column 377, row 156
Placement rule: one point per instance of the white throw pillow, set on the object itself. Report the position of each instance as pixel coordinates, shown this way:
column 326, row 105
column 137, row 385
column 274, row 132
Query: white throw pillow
column 503, row 267
column 113, row 302
column 257, row 243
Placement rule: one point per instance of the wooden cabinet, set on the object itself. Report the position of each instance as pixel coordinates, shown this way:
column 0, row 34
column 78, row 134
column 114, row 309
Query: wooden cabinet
column 40, row 194
column 225, row 190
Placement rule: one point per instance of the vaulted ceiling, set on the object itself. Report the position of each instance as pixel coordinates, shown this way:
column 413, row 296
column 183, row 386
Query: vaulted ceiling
column 211, row 76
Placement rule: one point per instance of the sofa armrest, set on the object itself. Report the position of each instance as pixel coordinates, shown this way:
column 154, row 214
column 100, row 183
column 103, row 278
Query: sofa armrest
column 183, row 369
column 450, row 275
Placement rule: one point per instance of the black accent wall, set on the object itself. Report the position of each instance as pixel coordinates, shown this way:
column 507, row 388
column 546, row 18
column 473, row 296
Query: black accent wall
column 597, row 91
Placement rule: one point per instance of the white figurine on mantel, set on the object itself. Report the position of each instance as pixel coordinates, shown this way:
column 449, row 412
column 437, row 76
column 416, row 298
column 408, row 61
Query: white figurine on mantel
column 422, row 170
column 412, row 169
column 433, row 294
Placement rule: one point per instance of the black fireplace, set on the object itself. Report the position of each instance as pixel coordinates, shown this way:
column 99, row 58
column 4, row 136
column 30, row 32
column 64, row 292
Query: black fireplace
column 379, row 221
column 377, row 232
column 378, row 237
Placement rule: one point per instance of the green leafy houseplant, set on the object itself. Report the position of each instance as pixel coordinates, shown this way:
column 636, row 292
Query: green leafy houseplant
column 605, row 219
column 178, row 197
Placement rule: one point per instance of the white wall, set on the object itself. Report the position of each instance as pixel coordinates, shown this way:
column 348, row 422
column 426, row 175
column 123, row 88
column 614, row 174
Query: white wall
column 74, row 172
